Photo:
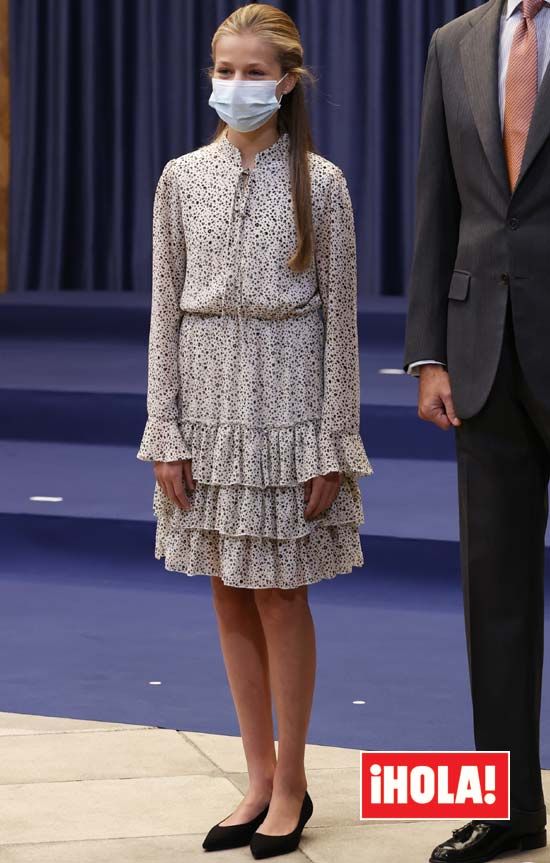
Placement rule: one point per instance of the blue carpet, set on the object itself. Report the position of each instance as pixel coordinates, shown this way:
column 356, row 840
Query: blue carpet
column 88, row 617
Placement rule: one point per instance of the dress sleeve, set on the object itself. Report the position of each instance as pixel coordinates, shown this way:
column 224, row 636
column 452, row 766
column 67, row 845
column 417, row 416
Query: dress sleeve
column 340, row 444
column 162, row 439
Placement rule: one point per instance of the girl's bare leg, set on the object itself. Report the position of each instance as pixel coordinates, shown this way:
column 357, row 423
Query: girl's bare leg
column 290, row 636
column 245, row 657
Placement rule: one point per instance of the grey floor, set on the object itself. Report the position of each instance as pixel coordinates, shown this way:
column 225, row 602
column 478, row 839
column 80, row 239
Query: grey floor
column 93, row 792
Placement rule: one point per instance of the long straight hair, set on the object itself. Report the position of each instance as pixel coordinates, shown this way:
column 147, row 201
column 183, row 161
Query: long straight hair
column 280, row 31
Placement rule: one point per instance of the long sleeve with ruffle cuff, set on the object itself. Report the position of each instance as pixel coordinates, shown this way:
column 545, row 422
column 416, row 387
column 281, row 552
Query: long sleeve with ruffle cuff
column 162, row 439
column 344, row 453
column 340, row 442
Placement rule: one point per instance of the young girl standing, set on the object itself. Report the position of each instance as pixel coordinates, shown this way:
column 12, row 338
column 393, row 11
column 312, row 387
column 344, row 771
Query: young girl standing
column 253, row 398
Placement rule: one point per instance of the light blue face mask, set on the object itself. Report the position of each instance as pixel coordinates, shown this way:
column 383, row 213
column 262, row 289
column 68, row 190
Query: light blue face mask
column 245, row 105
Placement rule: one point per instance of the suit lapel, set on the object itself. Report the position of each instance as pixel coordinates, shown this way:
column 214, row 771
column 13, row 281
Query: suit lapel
column 539, row 128
column 479, row 51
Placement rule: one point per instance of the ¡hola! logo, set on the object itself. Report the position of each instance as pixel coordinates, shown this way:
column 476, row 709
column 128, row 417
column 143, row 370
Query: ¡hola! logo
column 435, row 785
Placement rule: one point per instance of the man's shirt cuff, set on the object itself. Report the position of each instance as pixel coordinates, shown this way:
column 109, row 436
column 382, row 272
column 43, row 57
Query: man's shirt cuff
column 412, row 368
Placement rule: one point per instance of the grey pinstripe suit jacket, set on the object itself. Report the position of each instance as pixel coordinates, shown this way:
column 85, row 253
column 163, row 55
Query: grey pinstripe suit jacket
column 476, row 242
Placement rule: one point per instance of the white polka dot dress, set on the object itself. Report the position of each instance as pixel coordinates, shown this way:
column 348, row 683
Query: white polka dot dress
column 253, row 369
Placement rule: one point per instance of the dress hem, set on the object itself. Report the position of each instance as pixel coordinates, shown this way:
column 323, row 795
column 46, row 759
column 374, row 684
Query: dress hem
column 328, row 577
column 256, row 563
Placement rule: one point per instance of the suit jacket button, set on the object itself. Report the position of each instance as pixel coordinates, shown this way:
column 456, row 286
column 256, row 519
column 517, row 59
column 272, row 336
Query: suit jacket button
column 505, row 278
column 514, row 223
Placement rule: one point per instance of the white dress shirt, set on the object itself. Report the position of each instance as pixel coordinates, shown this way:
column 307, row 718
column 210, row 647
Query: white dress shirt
column 511, row 15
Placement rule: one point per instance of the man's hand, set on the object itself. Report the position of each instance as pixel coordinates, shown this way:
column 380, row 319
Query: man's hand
column 171, row 475
column 435, row 400
column 320, row 492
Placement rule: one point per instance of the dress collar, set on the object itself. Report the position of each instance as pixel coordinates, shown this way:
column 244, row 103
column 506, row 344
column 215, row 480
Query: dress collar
column 277, row 151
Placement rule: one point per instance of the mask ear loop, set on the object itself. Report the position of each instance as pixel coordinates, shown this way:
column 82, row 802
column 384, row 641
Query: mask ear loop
column 280, row 99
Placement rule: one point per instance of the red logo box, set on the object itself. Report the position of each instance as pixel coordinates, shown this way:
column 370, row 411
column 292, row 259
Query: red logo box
column 435, row 786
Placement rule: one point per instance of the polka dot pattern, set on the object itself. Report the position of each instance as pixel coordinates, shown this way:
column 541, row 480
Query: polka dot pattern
column 254, row 369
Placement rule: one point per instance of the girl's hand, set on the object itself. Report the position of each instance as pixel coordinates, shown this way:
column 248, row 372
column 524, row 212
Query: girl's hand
column 320, row 492
column 171, row 476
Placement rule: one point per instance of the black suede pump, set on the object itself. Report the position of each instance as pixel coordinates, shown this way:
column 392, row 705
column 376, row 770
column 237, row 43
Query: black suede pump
column 264, row 845
column 233, row 835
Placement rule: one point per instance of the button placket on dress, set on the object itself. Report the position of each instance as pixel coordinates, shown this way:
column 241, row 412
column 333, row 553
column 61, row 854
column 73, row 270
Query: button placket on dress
column 234, row 245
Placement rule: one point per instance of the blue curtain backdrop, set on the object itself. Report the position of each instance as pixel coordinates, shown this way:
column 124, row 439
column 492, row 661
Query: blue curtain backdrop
column 104, row 92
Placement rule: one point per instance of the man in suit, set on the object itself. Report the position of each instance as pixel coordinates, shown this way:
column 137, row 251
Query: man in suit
column 478, row 337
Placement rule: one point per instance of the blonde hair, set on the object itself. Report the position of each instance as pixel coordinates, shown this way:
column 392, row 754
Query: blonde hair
column 280, row 31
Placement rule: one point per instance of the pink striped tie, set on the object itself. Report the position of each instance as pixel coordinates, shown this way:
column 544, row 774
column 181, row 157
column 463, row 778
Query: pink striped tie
column 521, row 88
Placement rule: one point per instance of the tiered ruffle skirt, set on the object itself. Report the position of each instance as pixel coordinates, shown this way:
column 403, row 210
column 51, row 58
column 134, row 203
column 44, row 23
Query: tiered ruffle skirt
column 250, row 406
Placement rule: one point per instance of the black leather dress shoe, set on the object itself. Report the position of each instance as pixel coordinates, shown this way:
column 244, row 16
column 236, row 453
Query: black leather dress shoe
column 264, row 845
column 233, row 835
column 479, row 841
